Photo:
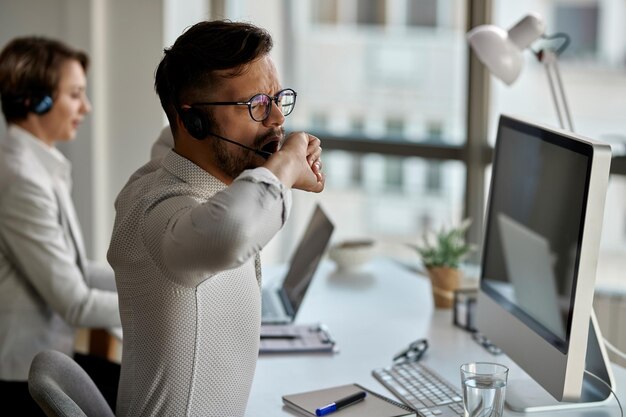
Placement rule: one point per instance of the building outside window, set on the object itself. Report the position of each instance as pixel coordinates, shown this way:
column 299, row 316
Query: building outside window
column 422, row 13
column 384, row 79
column 371, row 12
column 580, row 22
column 324, row 12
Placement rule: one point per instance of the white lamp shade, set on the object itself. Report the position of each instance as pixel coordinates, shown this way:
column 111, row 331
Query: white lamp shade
column 501, row 50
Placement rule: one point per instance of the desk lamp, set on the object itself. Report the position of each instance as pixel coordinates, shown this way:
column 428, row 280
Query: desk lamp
column 501, row 52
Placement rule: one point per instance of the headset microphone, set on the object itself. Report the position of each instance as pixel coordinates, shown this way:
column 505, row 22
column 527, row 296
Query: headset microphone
column 197, row 124
column 259, row 152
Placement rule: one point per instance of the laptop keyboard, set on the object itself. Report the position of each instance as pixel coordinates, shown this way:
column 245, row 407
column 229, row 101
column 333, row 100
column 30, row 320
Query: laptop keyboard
column 422, row 389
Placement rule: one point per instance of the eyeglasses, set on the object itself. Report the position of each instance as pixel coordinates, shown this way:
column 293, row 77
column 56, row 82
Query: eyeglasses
column 260, row 105
column 413, row 353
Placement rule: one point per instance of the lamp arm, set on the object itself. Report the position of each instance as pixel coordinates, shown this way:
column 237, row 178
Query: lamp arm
column 566, row 111
column 549, row 59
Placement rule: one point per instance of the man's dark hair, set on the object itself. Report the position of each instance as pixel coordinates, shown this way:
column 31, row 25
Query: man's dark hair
column 30, row 67
column 189, row 66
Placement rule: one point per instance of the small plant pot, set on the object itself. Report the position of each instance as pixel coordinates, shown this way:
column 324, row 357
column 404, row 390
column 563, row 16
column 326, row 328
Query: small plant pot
column 444, row 282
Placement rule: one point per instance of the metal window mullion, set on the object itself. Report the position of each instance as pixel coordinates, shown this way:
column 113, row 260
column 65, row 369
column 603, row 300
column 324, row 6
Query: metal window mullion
column 479, row 12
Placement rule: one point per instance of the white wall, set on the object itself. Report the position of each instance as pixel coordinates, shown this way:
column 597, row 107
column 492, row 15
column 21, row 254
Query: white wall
column 126, row 109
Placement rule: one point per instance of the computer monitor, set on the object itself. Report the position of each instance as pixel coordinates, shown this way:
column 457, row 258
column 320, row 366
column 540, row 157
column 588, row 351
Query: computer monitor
column 542, row 235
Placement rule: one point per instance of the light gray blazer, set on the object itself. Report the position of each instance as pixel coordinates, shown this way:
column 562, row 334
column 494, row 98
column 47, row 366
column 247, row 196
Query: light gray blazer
column 47, row 286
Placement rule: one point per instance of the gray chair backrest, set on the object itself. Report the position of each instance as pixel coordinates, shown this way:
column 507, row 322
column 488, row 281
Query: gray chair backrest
column 63, row 389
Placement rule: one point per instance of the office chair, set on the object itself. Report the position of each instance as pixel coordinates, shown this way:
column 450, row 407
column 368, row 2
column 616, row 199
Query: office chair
column 63, row 389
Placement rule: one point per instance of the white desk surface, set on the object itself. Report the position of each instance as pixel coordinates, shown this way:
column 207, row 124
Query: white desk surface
column 373, row 314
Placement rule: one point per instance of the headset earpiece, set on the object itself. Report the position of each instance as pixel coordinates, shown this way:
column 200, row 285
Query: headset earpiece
column 40, row 104
column 22, row 104
column 196, row 122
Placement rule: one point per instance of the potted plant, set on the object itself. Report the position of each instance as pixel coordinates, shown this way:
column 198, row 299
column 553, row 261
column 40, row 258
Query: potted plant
column 441, row 255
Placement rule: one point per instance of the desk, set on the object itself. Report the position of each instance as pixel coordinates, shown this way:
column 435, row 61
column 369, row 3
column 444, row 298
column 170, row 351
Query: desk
column 373, row 314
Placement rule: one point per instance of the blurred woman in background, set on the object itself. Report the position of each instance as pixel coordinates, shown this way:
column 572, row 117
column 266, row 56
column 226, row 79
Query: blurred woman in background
column 47, row 286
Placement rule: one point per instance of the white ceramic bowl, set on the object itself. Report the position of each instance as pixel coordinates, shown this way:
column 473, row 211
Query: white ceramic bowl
column 351, row 254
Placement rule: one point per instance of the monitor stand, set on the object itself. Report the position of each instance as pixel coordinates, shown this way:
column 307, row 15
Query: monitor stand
column 528, row 396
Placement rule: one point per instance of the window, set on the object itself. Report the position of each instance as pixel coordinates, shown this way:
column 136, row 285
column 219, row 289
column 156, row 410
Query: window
column 433, row 177
column 383, row 85
column 394, row 127
column 393, row 173
column 422, row 13
column 370, row 12
column 319, row 121
column 357, row 125
column 324, row 11
column 580, row 22
column 378, row 96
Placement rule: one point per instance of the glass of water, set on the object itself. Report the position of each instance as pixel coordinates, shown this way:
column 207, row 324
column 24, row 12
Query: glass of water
column 484, row 385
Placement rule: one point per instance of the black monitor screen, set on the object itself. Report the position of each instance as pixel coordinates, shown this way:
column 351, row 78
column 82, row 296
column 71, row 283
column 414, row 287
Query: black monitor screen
column 534, row 227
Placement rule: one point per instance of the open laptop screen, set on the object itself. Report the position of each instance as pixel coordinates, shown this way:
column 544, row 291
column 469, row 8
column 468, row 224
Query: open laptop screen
column 305, row 260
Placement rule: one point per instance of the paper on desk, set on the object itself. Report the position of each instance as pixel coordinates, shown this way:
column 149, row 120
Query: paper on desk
column 287, row 338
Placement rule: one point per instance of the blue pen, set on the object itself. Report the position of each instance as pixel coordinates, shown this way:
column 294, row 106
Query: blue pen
column 339, row 404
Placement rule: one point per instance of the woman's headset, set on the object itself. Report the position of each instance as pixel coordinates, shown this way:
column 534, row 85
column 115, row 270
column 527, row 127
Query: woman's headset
column 37, row 103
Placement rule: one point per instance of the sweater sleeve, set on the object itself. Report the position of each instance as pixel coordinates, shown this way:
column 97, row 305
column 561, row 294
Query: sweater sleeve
column 226, row 230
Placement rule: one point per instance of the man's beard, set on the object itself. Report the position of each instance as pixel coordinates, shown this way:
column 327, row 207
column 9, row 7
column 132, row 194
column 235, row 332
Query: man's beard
column 234, row 163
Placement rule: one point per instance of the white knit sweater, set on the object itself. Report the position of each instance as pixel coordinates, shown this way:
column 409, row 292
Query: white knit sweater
column 185, row 254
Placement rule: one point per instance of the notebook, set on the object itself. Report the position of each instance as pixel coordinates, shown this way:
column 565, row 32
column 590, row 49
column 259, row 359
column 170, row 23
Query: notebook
column 280, row 305
column 374, row 404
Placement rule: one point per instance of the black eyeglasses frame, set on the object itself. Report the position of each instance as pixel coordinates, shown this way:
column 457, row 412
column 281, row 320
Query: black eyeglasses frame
column 249, row 103
column 412, row 353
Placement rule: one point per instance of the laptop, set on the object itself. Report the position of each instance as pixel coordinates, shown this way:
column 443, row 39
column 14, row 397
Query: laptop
column 280, row 305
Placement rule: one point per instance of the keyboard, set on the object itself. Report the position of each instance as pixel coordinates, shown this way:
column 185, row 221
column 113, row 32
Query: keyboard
column 422, row 389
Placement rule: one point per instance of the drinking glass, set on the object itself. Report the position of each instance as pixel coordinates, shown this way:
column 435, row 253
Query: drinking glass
column 484, row 385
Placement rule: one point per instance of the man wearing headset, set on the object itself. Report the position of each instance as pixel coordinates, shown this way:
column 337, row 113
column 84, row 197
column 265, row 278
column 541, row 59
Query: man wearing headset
column 47, row 285
column 190, row 225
